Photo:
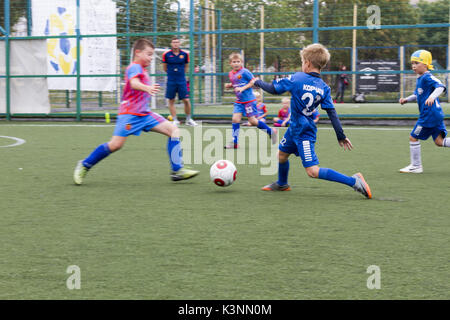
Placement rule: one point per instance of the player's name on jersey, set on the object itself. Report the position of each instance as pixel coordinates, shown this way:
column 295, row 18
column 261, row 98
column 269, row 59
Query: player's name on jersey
column 307, row 87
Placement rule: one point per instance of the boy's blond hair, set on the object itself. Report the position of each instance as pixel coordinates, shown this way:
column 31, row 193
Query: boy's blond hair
column 235, row 56
column 316, row 54
column 286, row 99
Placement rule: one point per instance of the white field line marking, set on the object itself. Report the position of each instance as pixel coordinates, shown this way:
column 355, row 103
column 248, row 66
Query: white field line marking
column 18, row 141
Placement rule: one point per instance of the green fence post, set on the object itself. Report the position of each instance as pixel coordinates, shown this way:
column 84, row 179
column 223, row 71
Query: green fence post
column 67, row 99
column 29, row 18
column 316, row 22
column 192, row 54
column 100, row 99
column 7, row 56
column 200, row 55
column 78, row 63
column 219, row 40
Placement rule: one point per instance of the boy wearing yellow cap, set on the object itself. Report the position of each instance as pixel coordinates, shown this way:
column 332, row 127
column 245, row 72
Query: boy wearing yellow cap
column 431, row 118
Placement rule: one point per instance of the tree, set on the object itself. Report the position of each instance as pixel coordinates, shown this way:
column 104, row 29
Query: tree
column 17, row 9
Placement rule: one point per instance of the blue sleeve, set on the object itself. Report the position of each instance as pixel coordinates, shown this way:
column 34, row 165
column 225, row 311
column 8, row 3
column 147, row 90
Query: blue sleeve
column 283, row 85
column 133, row 71
column 268, row 87
column 336, row 124
column 327, row 102
column 434, row 82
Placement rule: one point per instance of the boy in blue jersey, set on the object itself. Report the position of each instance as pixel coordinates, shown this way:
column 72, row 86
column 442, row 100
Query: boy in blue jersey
column 431, row 118
column 135, row 116
column 245, row 102
column 176, row 64
column 308, row 90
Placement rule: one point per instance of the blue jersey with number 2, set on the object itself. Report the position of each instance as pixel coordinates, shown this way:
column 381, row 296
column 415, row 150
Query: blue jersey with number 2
column 308, row 91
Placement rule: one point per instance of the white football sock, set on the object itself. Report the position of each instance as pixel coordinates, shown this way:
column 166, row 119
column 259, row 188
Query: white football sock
column 416, row 158
column 175, row 118
column 188, row 117
column 446, row 143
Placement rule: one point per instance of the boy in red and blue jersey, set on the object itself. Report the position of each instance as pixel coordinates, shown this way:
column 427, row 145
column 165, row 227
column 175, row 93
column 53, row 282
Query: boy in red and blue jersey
column 308, row 91
column 135, row 116
column 431, row 118
column 284, row 114
column 245, row 102
column 261, row 108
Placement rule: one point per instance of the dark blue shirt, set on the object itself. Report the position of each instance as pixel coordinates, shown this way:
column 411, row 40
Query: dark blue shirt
column 175, row 65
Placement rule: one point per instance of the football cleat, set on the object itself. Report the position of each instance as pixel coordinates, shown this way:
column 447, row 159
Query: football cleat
column 183, row 174
column 362, row 186
column 274, row 136
column 274, row 186
column 411, row 169
column 231, row 145
column 79, row 173
column 191, row 123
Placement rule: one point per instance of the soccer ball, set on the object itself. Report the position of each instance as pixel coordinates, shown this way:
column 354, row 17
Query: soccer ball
column 223, row 173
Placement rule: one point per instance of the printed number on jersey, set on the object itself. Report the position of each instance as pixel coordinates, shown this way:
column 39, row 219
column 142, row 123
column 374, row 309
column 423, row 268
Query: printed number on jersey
column 309, row 110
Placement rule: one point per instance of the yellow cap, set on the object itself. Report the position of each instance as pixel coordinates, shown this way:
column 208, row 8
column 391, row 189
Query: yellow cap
column 424, row 57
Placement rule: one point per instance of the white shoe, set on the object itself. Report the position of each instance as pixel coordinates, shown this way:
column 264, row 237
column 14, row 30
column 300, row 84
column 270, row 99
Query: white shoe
column 411, row 169
column 176, row 122
column 191, row 123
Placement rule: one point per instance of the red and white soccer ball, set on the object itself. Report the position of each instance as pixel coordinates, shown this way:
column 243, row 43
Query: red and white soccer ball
column 223, row 173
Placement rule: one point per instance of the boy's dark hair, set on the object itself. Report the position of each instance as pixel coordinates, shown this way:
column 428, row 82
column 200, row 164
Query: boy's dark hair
column 141, row 44
column 174, row 38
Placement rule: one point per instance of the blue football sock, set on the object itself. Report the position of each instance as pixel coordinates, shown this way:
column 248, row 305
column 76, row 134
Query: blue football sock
column 283, row 172
column 101, row 152
column 236, row 127
column 331, row 175
column 175, row 153
column 263, row 126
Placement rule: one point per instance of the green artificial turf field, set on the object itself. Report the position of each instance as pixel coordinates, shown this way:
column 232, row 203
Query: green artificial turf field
column 137, row 235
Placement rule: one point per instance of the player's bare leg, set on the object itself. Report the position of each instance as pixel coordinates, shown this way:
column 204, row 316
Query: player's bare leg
column 173, row 112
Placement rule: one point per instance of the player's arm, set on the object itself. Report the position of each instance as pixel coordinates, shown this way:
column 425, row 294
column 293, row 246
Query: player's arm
column 411, row 98
column 264, row 114
column 286, row 120
column 266, row 86
column 434, row 95
column 243, row 88
column 136, row 84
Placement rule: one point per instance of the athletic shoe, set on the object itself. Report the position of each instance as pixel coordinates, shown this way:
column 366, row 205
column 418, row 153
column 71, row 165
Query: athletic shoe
column 183, row 174
column 362, row 186
column 231, row 145
column 191, row 123
column 274, row 136
column 274, row 186
column 79, row 173
column 176, row 122
column 411, row 169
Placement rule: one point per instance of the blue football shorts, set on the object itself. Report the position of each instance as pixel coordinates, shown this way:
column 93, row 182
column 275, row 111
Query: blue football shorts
column 177, row 87
column 423, row 133
column 248, row 109
column 130, row 124
column 301, row 148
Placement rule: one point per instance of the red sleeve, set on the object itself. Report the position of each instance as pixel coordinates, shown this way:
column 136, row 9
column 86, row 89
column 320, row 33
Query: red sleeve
column 264, row 108
column 164, row 57
column 279, row 113
column 187, row 57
